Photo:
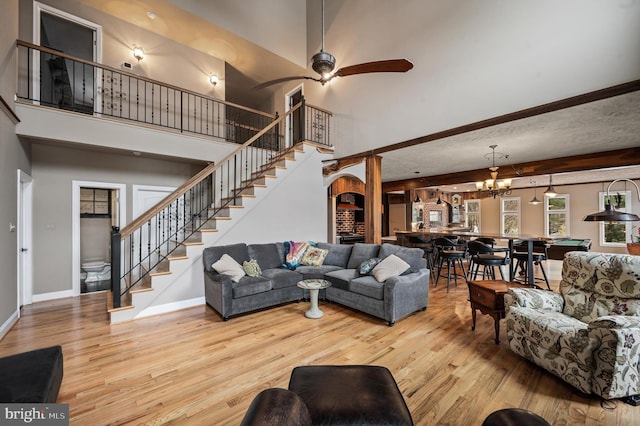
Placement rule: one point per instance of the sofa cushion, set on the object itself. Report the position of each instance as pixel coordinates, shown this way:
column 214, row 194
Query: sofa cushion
column 412, row 255
column 267, row 255
column 313, row 256
column 239, row 252
column 340, row 278
column 545, row 328
column 248, row 286
column 281, row 278
column 338, row 254
column 228, row 266
column 367, row 286
column 599, row 284
column 361, row 252
column 390, row 266
column 318, row 272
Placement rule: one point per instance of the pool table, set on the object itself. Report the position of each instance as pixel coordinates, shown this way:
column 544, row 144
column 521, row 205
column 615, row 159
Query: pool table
column 558, row 248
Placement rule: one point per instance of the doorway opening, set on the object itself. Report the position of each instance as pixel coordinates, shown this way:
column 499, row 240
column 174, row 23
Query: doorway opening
column 294, row 123
column 96, row 208
column 24, row 226
column 64, row 83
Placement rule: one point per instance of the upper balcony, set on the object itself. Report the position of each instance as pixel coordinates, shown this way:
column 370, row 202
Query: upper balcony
column 65, row 98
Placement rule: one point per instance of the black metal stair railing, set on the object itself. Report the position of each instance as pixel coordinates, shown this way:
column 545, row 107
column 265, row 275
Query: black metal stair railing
column 141, row 247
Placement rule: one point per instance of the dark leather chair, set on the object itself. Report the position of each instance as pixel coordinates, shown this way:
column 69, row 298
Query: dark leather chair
column 33, row 376
column 486, row 256
column 275, row 406
column 332, row 395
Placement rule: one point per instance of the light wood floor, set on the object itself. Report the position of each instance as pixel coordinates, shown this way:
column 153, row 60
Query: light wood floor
column 191, row 368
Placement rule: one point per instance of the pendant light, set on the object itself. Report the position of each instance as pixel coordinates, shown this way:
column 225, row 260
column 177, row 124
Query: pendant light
column 550, row 191
column 534, row 200
column 610, row 214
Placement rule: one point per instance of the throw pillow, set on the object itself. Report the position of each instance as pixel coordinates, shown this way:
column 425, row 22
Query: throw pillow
column 293, row 253
column 313, row 256
column 367, row 266
column 228, row 266
column 251, row 268
column 388, row 267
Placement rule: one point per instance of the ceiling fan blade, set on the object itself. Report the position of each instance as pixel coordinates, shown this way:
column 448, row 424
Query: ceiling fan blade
column 391, row 65
column 282, row 80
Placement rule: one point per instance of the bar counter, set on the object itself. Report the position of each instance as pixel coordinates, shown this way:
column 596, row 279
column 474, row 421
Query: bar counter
column 429, row 234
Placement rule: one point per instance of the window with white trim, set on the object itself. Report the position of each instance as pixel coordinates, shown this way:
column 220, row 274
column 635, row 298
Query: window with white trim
column 556, row 216
column 615, row 234
column 510, row 215
column 472, row 220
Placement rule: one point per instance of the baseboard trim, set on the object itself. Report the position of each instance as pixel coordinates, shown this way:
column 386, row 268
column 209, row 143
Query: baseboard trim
column 51, row 296
column 10, row 322
column 170, row 307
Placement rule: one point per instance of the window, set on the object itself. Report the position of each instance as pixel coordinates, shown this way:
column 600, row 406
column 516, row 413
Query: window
column 510, row 215
column 472, row 221
column 615, row 234
column 556, row 216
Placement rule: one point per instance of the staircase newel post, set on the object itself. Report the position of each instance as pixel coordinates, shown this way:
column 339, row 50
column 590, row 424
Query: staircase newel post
column 115, row 265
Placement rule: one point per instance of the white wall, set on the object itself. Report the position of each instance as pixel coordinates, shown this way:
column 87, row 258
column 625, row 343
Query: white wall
column 294, row 209
column 472, row 60
column 276, row 25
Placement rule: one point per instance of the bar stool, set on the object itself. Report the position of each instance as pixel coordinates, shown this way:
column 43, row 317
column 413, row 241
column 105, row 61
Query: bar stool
column 539, row 254
column 485, row 255
column 427, row 247
column 451, row 254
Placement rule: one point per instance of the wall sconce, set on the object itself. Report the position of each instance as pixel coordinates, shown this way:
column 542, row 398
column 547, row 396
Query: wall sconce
column 138, row 53
column 610, row 214
column 214, row 79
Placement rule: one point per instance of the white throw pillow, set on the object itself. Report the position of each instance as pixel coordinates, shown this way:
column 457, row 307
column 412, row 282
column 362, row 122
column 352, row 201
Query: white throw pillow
column 228, row 266
column 390, row 266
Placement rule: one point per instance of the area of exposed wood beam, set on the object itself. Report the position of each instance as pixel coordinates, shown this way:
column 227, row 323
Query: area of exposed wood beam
column 618, row 158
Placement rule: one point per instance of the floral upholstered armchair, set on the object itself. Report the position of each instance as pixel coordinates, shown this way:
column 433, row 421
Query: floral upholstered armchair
column 589, row 333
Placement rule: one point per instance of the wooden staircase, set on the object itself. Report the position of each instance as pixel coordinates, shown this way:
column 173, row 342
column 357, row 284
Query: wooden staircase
column 189, row 252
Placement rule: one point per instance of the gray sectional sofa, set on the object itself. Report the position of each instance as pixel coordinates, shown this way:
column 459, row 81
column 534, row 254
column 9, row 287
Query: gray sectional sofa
column 390, row 300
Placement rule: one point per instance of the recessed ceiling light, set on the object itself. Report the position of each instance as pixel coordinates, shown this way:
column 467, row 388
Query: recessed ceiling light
column 416, row 172
column 136, row 153
column 151, row 14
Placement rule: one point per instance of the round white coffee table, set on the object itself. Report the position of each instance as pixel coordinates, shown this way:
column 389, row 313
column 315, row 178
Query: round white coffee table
column 314, row 287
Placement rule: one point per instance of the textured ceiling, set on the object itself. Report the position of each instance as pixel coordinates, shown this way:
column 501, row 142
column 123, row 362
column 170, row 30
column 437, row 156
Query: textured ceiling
column 599, row 126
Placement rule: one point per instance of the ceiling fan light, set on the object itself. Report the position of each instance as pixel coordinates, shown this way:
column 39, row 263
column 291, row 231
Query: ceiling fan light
column 323, row 62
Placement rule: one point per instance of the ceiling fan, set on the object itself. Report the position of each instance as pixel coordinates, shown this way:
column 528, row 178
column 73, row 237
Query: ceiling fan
column 324, row 63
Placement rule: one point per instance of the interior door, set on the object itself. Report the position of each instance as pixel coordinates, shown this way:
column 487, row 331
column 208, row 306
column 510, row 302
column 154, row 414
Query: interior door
column 65, row 83
column 295, row 122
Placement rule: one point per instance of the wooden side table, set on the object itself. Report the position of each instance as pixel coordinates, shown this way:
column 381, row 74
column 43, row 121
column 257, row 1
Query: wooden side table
column 488, row 297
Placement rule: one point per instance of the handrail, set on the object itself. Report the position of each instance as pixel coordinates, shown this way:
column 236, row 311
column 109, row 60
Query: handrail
column 182, row 189
column 132, row 75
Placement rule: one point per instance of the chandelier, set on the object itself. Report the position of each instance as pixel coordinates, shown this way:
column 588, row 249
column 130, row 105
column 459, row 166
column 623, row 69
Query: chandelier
column 494, row 186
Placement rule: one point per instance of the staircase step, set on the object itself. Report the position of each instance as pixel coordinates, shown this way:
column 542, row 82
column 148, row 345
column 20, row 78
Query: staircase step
column 123, row 306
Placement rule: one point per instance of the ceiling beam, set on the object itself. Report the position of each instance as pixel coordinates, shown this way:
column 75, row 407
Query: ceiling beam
column 598, row 160
column 584, row 98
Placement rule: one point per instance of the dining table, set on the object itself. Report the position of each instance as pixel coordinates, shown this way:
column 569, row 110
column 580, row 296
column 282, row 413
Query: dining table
column 430, row 233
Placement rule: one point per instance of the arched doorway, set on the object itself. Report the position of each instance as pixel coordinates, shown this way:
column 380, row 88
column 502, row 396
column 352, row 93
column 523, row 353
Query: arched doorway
column 346, row 210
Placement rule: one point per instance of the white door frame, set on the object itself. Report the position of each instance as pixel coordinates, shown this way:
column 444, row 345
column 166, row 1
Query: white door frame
column 75, row 222
column 135, row 191
column 38, row 8
column 287, row 107
column 25, row 239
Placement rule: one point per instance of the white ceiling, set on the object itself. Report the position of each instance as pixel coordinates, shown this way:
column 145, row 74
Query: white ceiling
column 595, row 127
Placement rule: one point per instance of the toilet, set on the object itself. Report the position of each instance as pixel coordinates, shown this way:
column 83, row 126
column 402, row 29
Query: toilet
column 96, row 271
